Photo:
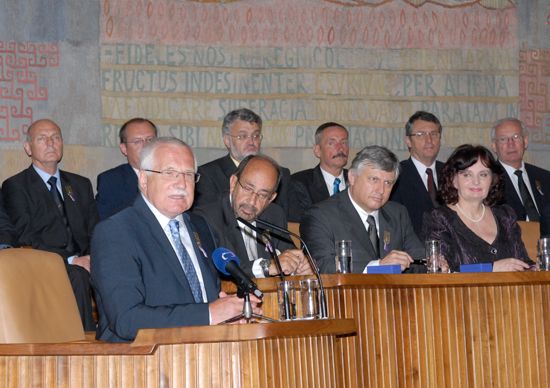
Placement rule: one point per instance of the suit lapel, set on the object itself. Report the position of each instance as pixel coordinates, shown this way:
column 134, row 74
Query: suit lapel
column 355, row 226
column 233, row 235
column 535, row 186
column 318, row 190
column 388, row 235
column 227, row 166
column 130, row 178
column 164, row 247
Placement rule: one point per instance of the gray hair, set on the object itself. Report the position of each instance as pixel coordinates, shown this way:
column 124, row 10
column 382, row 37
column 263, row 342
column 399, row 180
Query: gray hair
column 147, row 155
column 506, row 120
column 242, row 114
column 375, row 156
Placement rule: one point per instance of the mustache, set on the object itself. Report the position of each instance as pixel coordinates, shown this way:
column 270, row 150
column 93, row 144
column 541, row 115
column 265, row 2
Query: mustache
column 340, row 155
column 249, row 208
column 180, row 193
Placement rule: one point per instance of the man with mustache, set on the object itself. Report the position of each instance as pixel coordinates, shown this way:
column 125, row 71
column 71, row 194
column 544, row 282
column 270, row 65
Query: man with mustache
column 252, row 190
column 416, row 188
column 526, row 187
column 242, row 136
column 152, row 261
column 54, row 210
column 328, row 177
column 380, row 230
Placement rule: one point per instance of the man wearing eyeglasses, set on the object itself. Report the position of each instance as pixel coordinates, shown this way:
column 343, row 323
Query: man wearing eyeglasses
column 252, row 190
column 242, row 136
column 417, row 185
column 152, row 261
column 118, row 187
column 526, row 187
column 54, row 210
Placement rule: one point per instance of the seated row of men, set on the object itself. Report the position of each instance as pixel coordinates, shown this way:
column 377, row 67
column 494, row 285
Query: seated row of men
column 147, row 273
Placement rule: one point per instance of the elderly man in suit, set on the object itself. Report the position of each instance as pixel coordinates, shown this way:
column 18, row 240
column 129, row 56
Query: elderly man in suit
column 117, row 188
column 381, row 232
column 526, row 187
column 252, row 190
column 54, row 210
column 152, row 265
column 242, row 136
column 328, row 177
column 416, row 188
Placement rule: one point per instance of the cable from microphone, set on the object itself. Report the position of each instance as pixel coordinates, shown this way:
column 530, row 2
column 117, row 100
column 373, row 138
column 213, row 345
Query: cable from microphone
column 228, row 263
column 324, row 310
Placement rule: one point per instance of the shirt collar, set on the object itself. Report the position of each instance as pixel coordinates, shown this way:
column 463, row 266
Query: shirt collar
column 45, row 176
column 421, row 167
column 510, row 170
column 161, row 218
column 362, row 213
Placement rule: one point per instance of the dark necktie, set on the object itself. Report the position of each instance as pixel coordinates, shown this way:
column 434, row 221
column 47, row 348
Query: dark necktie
column 432, row 191
column 56, row 196
column 336, row 186
column 185, row 261
column 526, row 198
column 373, row 234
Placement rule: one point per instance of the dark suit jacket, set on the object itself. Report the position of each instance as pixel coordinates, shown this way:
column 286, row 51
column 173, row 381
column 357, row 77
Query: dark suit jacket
column 138, row 278
column 36, row 218
column 336, row 219
column 7, row 231
column 220, row 216
column 410, row 191
column 540, row 186
column 117, row 189
column 214, row 182
column 545, row 221
column 306, row 188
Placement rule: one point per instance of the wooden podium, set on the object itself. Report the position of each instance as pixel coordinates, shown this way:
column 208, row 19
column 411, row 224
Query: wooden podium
column 442, row 330
column 288, row 354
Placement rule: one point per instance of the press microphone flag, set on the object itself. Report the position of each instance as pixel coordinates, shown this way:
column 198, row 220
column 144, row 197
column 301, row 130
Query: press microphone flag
column 228, row 263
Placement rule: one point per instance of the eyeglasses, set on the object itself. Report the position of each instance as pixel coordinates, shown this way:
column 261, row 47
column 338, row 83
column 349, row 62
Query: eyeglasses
column 173, row 175
column 140, row 141
column 254, row 137
column 262, row 196
column 424, row 135
column 516, row 137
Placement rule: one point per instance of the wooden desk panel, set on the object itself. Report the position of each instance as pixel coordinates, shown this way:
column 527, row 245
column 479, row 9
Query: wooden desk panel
column 296, row 354
column 444, row 330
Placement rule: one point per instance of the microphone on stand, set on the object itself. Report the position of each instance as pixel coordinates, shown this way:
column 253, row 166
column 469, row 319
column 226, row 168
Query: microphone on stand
column 228, row 263
column 265, row 237
column 324, row 310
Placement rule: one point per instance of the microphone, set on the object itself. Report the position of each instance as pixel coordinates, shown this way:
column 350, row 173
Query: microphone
column 264, row 236
column 324, row 311
column 228, row 263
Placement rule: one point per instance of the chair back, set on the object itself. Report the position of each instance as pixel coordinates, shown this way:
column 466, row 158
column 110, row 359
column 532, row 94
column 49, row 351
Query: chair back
column 530, row 234
column 295, row 228
column 37, row 304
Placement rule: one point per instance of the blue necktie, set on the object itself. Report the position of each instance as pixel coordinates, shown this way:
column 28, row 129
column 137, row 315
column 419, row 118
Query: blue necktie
column 185, row 261
column 336, row 186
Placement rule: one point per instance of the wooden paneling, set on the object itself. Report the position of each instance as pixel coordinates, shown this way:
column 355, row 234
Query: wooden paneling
column 444, row 330
column 301, row 354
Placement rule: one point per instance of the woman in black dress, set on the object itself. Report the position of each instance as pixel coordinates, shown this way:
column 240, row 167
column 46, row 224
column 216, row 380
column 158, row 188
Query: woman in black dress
column 471, row 227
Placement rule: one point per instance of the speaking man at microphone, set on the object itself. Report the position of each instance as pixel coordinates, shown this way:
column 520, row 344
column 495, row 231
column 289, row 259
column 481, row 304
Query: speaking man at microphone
column 152, row 265
column 252, row 190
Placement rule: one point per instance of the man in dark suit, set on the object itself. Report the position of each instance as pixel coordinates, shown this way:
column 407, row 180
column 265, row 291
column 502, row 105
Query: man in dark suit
column 252, row 190
column 54, row 210
column 526, row 187
column 117, row 188
column 416, row 188
column 327, row 178
column 7, row 231
column 381, row 232
column 242, row 136
column 152, row 266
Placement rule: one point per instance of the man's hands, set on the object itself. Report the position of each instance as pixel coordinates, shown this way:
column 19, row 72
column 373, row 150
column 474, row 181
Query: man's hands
column 293, row 262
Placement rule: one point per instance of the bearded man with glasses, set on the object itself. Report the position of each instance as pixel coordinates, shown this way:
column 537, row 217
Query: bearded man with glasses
column 418, row 181
column 526, row 187
column 242, row 136
column 252, row 190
